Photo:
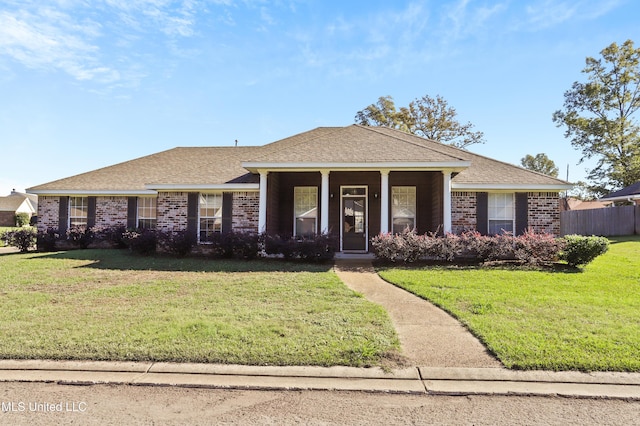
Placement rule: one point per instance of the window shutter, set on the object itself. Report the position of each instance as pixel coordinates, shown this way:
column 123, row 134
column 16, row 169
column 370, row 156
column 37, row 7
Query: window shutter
column 91, row 212
column 227, row 212
column 482, row 212
column 522, row 213
column 192, row 215
column 63, row 215
column 132, row 212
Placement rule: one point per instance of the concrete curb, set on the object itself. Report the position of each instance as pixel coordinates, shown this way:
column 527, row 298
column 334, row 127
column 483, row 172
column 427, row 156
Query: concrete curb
column 417, row 380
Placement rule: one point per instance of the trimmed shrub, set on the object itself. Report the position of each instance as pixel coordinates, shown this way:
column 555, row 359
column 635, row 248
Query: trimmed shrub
column 80, row 236
column 179, row 243
column 110, row 234
column 46, row 240
column 22, row 219
column 141, row 241
column 310, row 248
column 580, row 250
column 23, row 238
column 537, row 249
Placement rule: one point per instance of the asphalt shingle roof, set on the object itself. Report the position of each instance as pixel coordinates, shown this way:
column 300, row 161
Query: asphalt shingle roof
column 351, row 144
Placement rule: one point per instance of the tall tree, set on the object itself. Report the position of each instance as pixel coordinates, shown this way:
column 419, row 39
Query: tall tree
column 599, row 116
column 427, row 117
column 540, row 163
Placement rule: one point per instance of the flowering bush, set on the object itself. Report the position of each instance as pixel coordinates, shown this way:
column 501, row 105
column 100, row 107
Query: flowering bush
column 529, row 248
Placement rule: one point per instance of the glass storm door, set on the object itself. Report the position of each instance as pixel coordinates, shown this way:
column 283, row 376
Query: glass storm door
column 354, row 218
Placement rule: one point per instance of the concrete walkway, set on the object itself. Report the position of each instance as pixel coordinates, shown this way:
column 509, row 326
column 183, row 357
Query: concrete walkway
column 429, row 336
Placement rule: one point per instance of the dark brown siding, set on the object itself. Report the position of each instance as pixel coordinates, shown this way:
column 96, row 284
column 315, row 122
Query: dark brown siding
column 522, row 213
column 227, row 211
column 283, row 220
column 192, row 215
column 372, row 180
column 273, row 203
column 91, row 212
column 132, row 212
column 63, row 215
column 482, row 212
column 428, row 197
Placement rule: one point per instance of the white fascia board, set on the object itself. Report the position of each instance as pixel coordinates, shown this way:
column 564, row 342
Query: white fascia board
column 509, row 187
column 206, row 187
column 72, row 192
column 454, row 166
column 621, row 198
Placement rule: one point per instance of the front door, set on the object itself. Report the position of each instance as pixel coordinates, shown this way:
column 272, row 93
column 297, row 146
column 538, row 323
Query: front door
column 354, row 218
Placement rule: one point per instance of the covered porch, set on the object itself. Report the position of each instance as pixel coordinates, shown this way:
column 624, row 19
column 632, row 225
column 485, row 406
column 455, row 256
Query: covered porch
column 354, row 204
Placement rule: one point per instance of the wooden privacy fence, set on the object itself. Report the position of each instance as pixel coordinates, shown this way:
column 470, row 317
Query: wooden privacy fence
column 607, row 222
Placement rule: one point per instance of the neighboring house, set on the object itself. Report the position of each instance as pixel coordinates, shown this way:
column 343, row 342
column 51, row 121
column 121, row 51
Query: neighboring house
column 572, row 204
column 354, row 181
column 14, row 203
column 630, row 193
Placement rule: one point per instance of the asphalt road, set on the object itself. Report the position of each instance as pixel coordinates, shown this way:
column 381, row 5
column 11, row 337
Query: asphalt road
column 38, row 404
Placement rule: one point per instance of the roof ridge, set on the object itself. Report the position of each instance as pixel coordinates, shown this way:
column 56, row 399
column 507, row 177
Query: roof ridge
column 265, row 147
column 471, row 153
column 375, row 129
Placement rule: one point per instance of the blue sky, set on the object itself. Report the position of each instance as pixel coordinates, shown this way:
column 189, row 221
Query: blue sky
column 88, row 83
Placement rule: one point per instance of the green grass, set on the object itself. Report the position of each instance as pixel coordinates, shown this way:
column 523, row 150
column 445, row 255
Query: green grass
column 585, row 320
column 110, row 305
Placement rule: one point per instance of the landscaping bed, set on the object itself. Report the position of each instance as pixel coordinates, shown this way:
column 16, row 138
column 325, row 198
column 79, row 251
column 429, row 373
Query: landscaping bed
column 569, row 319
column 112, row 305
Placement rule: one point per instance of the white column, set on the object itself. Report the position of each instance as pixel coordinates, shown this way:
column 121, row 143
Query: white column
column 384, row 201
column 324, row 202
column 446, row 201
column 262, row 209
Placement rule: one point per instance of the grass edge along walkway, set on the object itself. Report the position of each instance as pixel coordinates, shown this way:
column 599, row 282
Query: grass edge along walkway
column 586, row 320
column 110, row 305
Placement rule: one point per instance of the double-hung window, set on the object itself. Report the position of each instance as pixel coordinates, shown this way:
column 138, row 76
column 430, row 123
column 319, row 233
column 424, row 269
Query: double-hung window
column 501, row 213
column 146, row 212
column 78, row 211
column 210, row 216
column 305, row 210
column 403, row 208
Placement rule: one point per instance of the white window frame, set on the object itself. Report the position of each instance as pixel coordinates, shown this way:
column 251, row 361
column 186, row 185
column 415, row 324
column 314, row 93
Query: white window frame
column 498, row 200
column 395, row 207
column 142, row 205
column 211, row 200
column 312, row 192
column 74, row 206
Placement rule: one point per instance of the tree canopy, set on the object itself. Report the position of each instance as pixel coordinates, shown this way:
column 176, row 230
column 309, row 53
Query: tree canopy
column 431, row 118
column 600, row 119
column 540, row 163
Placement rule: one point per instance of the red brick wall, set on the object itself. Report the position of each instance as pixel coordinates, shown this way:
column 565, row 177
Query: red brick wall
column 172, row 211
column 463, row 211
column 111, row 211
column 544, row 212
column 245, row 211
column 48, row 212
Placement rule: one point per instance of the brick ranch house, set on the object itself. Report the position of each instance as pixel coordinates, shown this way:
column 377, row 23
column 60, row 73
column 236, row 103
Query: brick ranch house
column 353, row 181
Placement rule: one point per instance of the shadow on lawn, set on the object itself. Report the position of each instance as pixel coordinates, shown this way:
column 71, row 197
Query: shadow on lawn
column 125, row 261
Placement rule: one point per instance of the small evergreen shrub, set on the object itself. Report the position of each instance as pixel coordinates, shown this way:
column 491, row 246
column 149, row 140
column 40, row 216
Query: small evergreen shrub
column 79, row 236
column 580, row 250
column 22, row 219
column 23, row 238
column 310, row 248
column 179, row 243
column 141, row 241
column 46, row 240
column 110, row 234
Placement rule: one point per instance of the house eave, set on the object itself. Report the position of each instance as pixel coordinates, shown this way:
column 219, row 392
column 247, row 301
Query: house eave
column 84, row 192
column 205, row 187
column 509, row 187
column 453, row 166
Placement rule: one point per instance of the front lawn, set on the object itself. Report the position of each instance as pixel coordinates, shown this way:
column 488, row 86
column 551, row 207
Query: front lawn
column 573, row 320
column 111, row 305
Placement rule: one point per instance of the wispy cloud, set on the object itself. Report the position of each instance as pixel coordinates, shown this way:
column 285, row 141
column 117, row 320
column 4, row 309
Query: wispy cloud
column 89, row 42
column 549, row 13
